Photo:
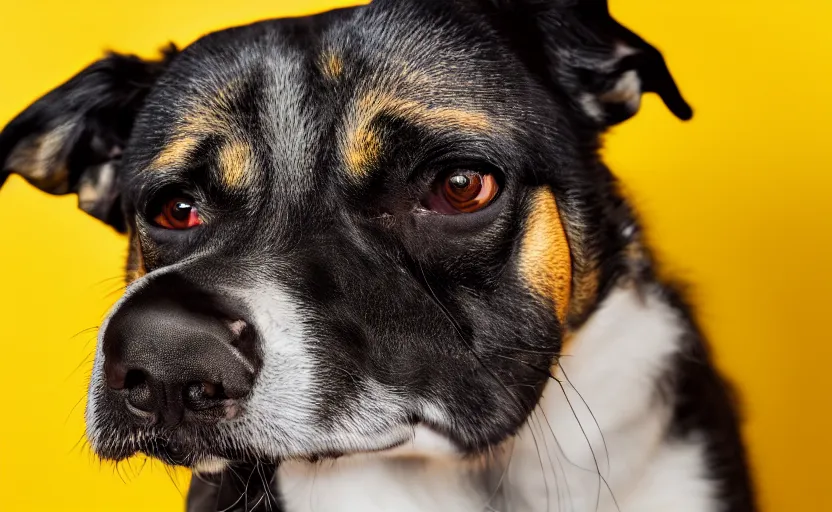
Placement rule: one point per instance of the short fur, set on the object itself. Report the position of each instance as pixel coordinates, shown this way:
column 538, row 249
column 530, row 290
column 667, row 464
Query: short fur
column 524, row 357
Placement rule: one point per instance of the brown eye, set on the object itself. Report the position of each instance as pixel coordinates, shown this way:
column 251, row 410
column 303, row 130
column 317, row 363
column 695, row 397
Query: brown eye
column 465, row 191
column 178, row 213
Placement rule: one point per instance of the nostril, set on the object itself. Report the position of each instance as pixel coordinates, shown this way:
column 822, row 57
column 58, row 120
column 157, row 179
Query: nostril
column 116, row 374
column 139, row 395
column 141, row 398
column 204, row 395
column 119, row 377
column 210, row 390
column 134, row 378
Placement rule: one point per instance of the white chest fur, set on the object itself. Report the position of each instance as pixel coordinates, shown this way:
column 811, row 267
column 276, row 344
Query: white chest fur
column 559, row 461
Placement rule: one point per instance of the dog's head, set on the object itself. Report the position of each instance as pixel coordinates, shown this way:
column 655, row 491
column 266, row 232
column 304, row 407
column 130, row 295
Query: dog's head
column 346, row 225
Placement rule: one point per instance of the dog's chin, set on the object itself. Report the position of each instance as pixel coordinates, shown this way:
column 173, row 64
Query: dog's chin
column 207, row 450
column 178, row 453
column 171, row 450
column 183, row 446
column 208, row 453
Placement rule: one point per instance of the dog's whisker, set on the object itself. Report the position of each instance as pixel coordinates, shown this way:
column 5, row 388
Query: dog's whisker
column 141, row 468
column 117, row 471
column 589, row 410
column 118, row 291
column 82, row 331
column 504, row 472
column 80, row 445
column 173, row 480
column 601, row 478
column 548, row 451
column 108, row 280
column 71, row 411
column 557, row 455
column 465, row 341
column 86, row 362
column 360, row 256
column 242, row 498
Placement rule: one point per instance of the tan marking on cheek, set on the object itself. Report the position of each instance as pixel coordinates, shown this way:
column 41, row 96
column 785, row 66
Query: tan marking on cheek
column 135, row 260
column 545, row 261
column 235, row 163
column 586, row 274
column 149, row 252
column 362, row 146
column 332, row 66
column 584, row 293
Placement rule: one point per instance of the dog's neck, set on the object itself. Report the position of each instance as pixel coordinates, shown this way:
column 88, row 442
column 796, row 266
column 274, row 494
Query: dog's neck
column 597, row 440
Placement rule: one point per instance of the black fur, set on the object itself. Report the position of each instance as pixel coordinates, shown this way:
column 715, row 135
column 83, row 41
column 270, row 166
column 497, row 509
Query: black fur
column 249, row 488
column 101, row 103
column 428, row 304
column 707, row 405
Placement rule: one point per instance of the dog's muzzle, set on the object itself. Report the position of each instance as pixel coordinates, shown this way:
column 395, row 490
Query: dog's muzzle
column 174, row 354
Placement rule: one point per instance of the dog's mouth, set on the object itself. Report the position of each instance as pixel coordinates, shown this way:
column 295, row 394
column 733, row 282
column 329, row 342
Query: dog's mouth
column 177, row 447
column 210, row 450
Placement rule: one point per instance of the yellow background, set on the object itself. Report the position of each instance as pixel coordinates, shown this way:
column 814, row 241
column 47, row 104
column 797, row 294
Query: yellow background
column 737, row 202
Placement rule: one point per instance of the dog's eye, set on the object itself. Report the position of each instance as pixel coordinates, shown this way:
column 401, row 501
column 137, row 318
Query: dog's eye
column 463, row 191
column 178, row 213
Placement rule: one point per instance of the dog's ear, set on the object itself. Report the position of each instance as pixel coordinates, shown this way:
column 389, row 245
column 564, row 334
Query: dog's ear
column 71, row 139
column 600, row 64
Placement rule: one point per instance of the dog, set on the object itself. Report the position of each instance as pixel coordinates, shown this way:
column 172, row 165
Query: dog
column 376, row 263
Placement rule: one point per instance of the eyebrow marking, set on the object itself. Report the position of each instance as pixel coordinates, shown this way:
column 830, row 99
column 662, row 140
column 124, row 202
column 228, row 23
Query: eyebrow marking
column 332, row 65
column 363, row 150
column 207, row 115
column 235, row 161
column 545, row 260
column 177, row 151
column 361, row 147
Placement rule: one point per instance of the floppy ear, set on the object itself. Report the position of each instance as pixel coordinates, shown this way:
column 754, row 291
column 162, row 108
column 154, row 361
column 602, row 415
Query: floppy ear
column 603, row 66
column 71, row 139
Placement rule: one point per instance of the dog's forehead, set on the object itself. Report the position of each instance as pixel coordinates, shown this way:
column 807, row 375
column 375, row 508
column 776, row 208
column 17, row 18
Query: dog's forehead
column 300, row 99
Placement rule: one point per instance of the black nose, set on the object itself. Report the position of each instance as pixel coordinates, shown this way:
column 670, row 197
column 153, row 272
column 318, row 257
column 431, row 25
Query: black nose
column 175, row 353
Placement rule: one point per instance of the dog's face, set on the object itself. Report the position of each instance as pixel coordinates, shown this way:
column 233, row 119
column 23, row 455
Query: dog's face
column 346, row 225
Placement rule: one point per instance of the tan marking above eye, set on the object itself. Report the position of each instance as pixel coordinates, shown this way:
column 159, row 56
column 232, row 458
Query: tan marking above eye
column 210, row 114
column 375, row 103
column 235, row 163
column 176, row 152
column 332, row 65
column 361, row 146
column 545, row 260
